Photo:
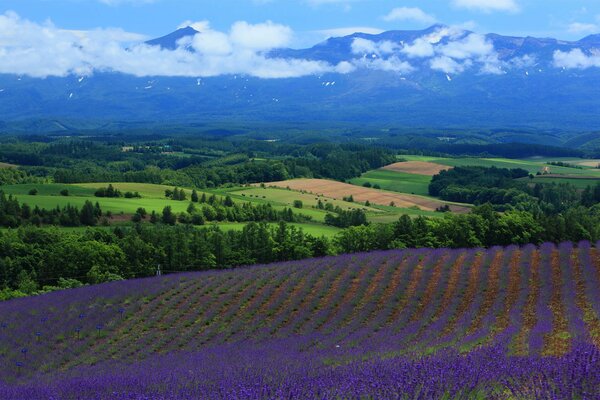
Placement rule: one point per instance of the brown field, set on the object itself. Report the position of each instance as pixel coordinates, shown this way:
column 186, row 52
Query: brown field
column 338, row 190
column 417, row 168
column 590, row 163
column 6, row 165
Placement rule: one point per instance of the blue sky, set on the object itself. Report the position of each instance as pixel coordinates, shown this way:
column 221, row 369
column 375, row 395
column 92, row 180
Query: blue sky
column 79, row 38
column 308, row 19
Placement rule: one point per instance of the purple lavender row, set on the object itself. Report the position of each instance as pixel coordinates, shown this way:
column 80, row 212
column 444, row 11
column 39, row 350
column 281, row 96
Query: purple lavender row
column 590, row 276
column 279, row 372
column 544, row 315
column 577, row 327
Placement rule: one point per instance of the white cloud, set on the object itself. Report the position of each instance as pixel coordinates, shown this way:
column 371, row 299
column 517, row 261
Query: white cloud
column 576, row 59
column 27, row 48
column 582, row 28
column 488, row 6
column 419, row 49
column 448, row 65
column 364, row 46
column 260, row 36
column 473, row 45
column 212, row 43
column 409, row 14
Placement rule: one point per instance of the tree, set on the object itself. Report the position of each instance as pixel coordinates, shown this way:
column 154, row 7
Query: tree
column 142, row 212
column 298, row 204
column 168, row 217
column 194, row 196
column 87, row 216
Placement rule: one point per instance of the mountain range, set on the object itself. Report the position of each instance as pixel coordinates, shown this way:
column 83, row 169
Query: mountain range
column 441, row 77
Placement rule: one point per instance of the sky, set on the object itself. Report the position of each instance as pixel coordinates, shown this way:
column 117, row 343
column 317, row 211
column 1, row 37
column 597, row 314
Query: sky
column 313, row 20
column 42, row 38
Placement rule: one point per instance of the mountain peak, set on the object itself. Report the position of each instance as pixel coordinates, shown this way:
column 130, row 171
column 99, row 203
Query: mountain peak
column 170, row 41
column 591, row 39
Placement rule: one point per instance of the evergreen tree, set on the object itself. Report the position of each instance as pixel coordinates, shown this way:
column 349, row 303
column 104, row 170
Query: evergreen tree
column 153, row 217
column 194, row 196
column 87, row 215
column 168, row 217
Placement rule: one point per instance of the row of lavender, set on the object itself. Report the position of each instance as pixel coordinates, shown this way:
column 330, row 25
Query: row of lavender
column 404, row 316
column 275, row 371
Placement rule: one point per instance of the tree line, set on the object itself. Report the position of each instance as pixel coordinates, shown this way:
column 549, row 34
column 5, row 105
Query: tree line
column 36, row 259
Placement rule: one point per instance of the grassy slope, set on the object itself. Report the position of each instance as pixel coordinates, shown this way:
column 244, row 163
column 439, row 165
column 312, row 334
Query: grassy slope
column 153, row 200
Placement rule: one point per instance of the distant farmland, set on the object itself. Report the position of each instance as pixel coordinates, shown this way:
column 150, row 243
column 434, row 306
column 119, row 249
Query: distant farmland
column 503, row 323
column 338, row 190
column 417, row 168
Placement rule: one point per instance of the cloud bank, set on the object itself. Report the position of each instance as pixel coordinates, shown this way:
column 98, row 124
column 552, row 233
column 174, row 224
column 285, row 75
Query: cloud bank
column 576, row 59
column 42, row 50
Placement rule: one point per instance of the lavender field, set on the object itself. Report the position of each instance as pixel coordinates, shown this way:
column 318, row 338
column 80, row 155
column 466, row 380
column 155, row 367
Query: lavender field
column 501, row 323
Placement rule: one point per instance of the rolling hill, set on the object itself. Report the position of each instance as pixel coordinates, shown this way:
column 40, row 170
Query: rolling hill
column 504, row 323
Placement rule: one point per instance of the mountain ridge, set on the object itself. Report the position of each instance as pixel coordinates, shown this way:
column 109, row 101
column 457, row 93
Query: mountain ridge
column 457, row 79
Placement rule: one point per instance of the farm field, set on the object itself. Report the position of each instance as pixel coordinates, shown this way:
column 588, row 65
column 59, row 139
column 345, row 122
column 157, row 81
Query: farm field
column 578, row 182
column 414, row 176
column 153, row 198
column 338, row 190
column 394, row 181
column 504, row 323
column 286, row 198
column 533, row 165
column 416, row 168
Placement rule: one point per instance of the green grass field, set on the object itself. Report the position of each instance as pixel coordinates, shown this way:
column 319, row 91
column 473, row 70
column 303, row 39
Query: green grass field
column 153, row 199
column 579, row 183
column 311, row 229
column 153, row 196
column 396, row 181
